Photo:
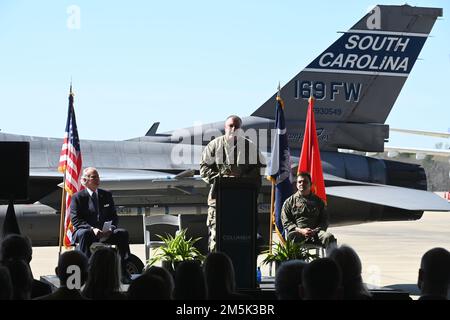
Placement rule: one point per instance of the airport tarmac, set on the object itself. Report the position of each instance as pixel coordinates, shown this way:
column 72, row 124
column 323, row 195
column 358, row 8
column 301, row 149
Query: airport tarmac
column 390, row 251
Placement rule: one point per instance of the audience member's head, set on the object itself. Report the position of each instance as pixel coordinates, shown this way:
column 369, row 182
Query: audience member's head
column 288, row 279
column 321, row 280
column 6, row 289
column 21, row 278
column 434, row 274
column 65, row 269
column 149, row 286
column 16, row 246
column 104, row 274
column 219, row 275
column 189, row 281
column 350, row 264
column 165, row 275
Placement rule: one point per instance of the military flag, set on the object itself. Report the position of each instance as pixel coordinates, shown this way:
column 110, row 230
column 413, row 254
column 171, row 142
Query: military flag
column 280, row 168
column 310, row 155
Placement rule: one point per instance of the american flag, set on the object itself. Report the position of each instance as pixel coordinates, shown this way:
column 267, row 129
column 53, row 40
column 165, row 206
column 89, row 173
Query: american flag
column 70, row 164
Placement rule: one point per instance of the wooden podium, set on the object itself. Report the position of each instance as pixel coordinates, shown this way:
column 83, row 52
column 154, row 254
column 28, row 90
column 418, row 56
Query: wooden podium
column 236, row 210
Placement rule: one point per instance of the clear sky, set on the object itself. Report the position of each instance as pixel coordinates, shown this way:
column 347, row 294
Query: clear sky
column 181, row 62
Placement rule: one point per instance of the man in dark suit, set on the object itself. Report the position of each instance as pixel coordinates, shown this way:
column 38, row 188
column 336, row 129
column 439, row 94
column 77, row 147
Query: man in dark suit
column 89, row 210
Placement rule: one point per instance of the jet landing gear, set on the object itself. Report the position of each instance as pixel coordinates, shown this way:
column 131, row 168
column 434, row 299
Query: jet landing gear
column 133, row 265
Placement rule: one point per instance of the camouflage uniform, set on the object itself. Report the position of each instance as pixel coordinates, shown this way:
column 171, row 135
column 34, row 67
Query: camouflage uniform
column 306, row 212
column 221, row 158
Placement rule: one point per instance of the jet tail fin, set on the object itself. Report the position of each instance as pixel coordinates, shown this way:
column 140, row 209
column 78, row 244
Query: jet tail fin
column 359, row 77
column 152, row 130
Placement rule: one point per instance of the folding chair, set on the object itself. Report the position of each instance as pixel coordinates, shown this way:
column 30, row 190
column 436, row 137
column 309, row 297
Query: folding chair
column 318, row 248
column 162, row 225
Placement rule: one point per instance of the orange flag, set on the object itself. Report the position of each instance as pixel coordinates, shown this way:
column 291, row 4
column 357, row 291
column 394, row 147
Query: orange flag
column 310, row 156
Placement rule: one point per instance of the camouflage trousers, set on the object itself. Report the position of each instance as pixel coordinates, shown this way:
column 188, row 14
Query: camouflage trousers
column 326, row 239
column 211, row 223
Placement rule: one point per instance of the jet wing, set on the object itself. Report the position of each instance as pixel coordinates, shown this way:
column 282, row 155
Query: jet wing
column 130, row 186
column 152, row 181
column 107, row 174
column 156, row 182
column 424, row 151
column 420, row 151
column 331, row 180
column 129, row 179
column 397, row 197
column 45, row 173
column 423, row 133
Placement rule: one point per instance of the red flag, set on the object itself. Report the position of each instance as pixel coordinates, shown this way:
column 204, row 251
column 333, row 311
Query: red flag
column 70, row 164
column 310, row 156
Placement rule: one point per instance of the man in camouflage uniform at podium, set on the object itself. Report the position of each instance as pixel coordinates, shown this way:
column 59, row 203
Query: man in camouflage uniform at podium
column 230, row 155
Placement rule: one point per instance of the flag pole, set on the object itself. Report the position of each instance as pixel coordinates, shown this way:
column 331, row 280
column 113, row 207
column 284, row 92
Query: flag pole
column 272, row 205
column 70, row 151
column 272, row 220
column 272, row 202
column 63, row 215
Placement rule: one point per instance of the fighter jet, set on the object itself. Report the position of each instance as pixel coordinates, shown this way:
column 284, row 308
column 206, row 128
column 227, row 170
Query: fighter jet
column 355, row 82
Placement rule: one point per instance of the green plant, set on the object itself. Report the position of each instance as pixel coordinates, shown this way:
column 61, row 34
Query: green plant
column 175, row 249
column 288, row 251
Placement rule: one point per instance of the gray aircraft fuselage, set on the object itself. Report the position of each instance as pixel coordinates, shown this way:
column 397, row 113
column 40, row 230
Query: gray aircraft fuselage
column 41, row 222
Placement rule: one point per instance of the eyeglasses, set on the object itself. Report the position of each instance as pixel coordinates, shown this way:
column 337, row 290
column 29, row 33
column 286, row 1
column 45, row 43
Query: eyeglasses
column 93, row 177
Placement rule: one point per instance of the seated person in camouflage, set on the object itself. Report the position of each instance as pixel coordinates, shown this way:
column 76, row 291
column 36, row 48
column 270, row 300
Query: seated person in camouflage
column 304, row 216
column 230, row 155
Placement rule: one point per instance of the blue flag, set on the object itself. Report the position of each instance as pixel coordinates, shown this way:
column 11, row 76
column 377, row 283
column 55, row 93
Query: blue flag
column 280, row 167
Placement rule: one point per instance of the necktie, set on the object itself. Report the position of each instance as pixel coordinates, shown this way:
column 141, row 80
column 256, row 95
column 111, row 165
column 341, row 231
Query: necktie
column 95, row 202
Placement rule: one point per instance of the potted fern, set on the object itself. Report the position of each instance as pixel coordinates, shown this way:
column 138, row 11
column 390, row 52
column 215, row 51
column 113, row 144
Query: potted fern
column 174, row 250
column 288, row 250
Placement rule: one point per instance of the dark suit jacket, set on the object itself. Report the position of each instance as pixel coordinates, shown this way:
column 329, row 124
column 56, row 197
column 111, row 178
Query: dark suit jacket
column 83, row 214
column 40, row 289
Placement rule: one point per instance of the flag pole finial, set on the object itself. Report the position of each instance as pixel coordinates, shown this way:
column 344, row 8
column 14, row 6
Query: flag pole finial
column 278, row 98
